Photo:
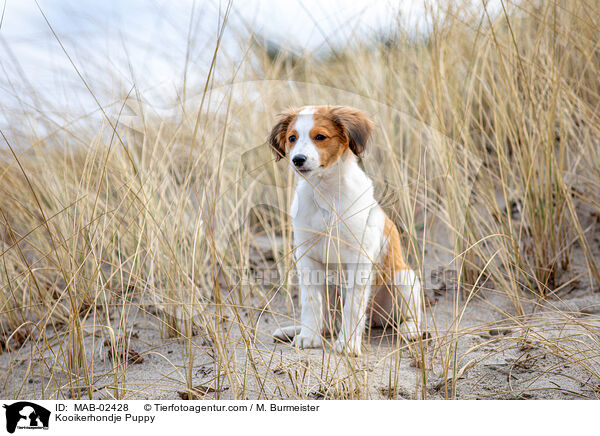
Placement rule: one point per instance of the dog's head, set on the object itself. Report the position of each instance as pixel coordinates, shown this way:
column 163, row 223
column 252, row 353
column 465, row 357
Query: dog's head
column 317, row 136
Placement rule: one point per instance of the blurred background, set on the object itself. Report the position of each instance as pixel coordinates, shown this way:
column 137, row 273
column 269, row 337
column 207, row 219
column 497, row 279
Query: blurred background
column 44, row 46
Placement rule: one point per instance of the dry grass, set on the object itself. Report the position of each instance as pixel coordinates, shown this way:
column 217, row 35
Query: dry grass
column 113, row 228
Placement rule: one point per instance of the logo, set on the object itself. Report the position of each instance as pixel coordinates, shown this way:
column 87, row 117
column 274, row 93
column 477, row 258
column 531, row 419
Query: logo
column 26, row 415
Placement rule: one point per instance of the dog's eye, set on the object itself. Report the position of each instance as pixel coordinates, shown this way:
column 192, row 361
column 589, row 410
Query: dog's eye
column 320, row 137
column 292, row 138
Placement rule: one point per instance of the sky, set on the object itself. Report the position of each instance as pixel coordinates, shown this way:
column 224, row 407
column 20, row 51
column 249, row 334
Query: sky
column 146, row 42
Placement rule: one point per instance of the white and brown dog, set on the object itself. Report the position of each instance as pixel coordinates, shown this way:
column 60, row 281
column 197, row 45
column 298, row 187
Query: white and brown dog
column 337, row 221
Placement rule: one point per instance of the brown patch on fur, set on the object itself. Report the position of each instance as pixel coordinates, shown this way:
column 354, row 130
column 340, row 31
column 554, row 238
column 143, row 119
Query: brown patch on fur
column 279, row 132
column 392, row 260
column 336, row 142
column 344, row 127
column 354, row 124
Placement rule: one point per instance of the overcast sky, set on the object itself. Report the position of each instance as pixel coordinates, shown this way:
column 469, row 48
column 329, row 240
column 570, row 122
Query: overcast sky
column 114, row 44
column 146, row 41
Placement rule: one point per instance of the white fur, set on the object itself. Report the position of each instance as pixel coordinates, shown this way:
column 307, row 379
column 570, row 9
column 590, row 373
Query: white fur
column 337, row 220
column 304, row 144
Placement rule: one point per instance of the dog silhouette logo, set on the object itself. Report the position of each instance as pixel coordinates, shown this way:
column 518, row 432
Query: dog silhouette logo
column 26, row 415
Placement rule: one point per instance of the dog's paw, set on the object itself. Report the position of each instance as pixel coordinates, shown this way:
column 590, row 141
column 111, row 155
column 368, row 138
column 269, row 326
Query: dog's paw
column 410, row 331
column 285, row 334
column 352, row 347
column 307, row 340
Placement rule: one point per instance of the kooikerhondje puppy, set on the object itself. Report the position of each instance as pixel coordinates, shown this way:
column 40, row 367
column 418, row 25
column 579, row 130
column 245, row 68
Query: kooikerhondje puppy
column 338, row 223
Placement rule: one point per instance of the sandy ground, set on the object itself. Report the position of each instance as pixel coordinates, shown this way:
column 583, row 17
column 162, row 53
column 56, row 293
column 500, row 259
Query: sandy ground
column 548, row 354
column 475, row 352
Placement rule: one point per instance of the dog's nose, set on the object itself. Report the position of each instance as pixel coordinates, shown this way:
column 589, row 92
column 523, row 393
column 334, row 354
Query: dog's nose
column 299, row 160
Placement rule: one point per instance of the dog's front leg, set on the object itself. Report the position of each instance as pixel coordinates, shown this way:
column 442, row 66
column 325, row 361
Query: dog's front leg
column 312, row 284
column 356, row 298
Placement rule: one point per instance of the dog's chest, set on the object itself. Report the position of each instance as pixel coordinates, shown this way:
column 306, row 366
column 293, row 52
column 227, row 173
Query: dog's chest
column 336, row 225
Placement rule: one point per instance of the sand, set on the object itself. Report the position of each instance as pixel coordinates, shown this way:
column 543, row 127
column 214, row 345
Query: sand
column 481, row 350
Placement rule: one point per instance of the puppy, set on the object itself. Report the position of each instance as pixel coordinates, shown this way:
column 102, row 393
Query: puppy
column 339, row 226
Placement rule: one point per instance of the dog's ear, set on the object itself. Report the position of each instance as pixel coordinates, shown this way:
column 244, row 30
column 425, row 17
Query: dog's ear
column 277, row 137
column 355, row 125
